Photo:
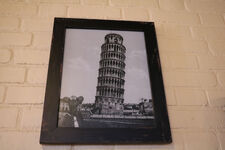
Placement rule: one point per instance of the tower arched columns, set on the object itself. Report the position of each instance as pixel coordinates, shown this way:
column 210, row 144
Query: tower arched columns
column 111, row 75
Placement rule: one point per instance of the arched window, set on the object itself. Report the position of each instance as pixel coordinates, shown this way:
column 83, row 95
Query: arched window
column 111, row 91
column 108, row 90
column 106, row 40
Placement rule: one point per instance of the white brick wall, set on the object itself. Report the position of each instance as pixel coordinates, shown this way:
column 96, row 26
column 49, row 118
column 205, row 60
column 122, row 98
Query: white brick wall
column 5, row 55
column 24, row 94
column 37, row 75
column 201, row 140
column 92, row 11
column 9, row 23
column 8, row 117
column 191, row 40
column 17, row 39
column 31, row 118
column 12, row 74
column 31, row 57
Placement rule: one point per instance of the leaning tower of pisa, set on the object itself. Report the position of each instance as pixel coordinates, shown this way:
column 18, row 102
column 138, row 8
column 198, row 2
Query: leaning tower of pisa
column 110, row 87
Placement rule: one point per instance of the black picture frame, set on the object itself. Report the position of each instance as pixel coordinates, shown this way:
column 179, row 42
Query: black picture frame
column 52, row 134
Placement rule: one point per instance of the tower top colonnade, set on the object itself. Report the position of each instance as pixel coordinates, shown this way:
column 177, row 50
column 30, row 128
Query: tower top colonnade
column 114, row 38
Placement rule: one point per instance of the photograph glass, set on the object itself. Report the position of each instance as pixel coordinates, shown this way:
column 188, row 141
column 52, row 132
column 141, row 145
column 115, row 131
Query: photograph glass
column 105, row 80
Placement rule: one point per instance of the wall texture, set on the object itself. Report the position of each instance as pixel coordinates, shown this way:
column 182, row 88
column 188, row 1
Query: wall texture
column 191, row 38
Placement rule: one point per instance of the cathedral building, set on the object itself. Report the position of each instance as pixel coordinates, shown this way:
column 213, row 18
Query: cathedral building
column 110, row 87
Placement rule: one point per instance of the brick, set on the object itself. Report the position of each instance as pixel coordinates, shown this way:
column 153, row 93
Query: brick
column 210, row 33
column 94, row 12
column 180, row 17
column 182, row 45
column 37, row 24
column 178, row 140
column 37, row 75
column 174, row 31
column 135, row 14
column 30, row 1
column 93, row 147
column 16, row 9
column 199, row 119
column 210, row 62
column 31, row 57
column 189, row 79
column 183, row 61
column 8, row 117
column 201, row 140
column 177, row 144
column 31, row 118
column 212, row 20
column 96, row 2
column 171, row 4
column 5, row 55
column 190, row 96
column 10, row 74
column 196, row 119
column 164, row 61
column 221, row 78
column 60, row 1
column 2, row 92
column 20, row 39
column 170, row 96
column 141, row 147
column 56, row 147
column 222, row 139
column 25, row 95
column 42, row 40
column 216, row 97
column 217, row 47
column 8, row 23
column 134, row 3
column 177, row 119
column 20, row 141
column 205, row 6
column 52, row 10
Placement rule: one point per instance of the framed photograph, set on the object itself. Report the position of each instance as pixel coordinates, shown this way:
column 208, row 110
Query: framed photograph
column 104, row 84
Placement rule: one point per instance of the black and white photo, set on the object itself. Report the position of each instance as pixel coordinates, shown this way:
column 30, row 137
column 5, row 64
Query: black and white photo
column 105, row 82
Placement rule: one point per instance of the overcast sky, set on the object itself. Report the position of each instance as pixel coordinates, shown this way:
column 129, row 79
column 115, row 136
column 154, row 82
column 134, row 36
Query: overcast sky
column 81, row 64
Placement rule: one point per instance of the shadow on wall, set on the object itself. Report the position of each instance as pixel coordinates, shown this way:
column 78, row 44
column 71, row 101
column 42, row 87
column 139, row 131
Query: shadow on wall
column 108, row 147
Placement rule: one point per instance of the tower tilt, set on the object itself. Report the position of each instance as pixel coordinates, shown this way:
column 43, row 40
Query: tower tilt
column 110, row 87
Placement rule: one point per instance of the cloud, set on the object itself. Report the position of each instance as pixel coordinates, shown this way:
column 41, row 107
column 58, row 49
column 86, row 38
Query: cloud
column 139, row 74
column 137, row 52
column 77, row 64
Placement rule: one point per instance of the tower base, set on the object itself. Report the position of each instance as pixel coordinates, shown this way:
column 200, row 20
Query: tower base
column 108, row 105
